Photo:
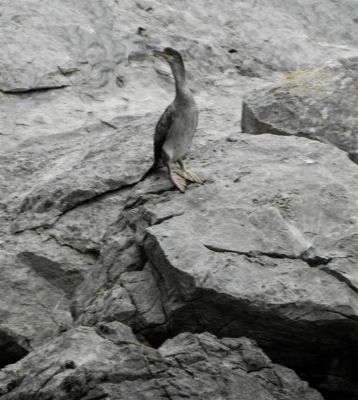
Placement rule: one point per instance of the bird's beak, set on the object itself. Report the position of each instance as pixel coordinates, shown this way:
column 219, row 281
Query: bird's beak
column 160, row 54
column 157, row 53
column 141, row 55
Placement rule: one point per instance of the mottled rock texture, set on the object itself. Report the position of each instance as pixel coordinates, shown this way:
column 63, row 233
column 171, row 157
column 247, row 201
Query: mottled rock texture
column 81, row 48
column 315, row 102
column 110, row 363
column 265, row 249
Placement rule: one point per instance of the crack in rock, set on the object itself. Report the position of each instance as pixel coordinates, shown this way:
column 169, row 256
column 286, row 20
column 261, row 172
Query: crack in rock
column 40, row 89
column 312, row 261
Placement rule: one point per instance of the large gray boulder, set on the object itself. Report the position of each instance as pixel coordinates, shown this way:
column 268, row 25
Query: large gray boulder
column 265, row 248
column 109, row 362
column 315, row 102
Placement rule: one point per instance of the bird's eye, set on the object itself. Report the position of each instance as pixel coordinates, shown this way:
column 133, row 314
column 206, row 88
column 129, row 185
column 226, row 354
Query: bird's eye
column 169, row 51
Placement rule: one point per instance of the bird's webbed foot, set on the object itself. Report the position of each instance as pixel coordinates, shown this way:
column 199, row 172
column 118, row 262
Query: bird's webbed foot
column 178, row 181
column 188, row 175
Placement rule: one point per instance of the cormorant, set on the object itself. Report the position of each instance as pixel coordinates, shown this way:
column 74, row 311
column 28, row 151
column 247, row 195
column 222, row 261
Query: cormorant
column 176, row 127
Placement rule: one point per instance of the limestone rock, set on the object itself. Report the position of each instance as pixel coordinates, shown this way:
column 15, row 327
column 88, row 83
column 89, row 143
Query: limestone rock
column 82, row 46
column 315, row 102
column 32, row 310
column 83, row 364
column 65, row 171
column 266, row 248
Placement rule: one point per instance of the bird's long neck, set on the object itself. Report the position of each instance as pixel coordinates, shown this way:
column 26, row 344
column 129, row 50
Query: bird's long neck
column 178, row 70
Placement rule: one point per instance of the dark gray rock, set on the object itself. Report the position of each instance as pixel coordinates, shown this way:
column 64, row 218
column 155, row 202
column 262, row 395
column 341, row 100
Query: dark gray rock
column 315, row 102
column 83, row 364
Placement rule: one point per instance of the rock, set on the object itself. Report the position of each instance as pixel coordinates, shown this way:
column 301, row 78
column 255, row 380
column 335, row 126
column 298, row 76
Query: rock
column 86, row 56
column 32, row 310
column 251, row 252
column 38, row 278
column 84, row 365
column 40, row 275
column 62, row 173
column 62, row 266
column 254, row 252
column 84, row 227
column 36, row 63
column 80, row 231
column 315, row 102
column 134, row 297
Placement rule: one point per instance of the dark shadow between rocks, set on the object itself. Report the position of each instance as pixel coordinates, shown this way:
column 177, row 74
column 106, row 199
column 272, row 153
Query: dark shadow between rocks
column 10, row 351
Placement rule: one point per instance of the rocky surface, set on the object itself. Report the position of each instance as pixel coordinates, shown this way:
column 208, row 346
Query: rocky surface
column 109, row 362
column 81, row 48
column 272, row 262
column 265, row 249
column 315, row 102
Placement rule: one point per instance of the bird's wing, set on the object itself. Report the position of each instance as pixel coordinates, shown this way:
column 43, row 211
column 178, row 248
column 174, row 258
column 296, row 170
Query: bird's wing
column 161, row 131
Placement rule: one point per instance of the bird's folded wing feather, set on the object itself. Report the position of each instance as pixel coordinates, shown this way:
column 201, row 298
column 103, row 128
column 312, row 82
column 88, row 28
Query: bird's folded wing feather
column 161, row 132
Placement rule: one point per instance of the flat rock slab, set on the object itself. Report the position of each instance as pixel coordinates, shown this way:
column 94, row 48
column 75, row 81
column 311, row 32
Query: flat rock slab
column 315, row 102
column 109, row 362
column 43, row 179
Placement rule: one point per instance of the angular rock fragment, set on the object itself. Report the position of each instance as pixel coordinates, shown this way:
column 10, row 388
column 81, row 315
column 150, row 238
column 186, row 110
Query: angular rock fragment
column 315, row 102
column 37, row 279
column 32, row 310
column 85, row 364
column 69, row 170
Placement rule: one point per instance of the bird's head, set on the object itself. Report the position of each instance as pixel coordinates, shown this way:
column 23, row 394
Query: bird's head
column 170, row 55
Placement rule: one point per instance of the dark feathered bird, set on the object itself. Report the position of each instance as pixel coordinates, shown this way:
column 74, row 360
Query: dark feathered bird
column 176, row 127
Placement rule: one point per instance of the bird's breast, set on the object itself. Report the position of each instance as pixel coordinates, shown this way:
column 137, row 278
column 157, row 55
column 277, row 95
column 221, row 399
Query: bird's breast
column 181, row 134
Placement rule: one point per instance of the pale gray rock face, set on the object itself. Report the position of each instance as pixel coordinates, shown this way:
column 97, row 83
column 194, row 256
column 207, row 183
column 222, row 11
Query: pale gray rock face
column 32, row 309
column 315, row 102
column 38, row 278
column 81, row 47
column 65, row 171
column 266, row 248
column 118, row 366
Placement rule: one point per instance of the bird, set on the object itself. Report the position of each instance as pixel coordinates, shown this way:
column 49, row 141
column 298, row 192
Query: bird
column 176, row 127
